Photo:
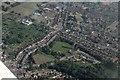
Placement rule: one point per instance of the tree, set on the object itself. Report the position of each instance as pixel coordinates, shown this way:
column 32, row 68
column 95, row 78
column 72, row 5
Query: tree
column 77, row 71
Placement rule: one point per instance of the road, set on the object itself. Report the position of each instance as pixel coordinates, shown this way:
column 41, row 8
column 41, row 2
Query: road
column 88, row 45
column 23, row 55
column 112, row 27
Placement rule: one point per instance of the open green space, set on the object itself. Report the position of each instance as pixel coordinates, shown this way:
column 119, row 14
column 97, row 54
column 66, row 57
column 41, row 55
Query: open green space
column 17, row 36
column 62, row 47
column 38, row 18
column 25, row 8
column 42, row 58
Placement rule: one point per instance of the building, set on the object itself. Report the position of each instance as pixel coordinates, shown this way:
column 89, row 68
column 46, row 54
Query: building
column 27, row 21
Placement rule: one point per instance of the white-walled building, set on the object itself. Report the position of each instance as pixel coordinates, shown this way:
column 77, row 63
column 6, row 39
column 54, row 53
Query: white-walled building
column 27, row 21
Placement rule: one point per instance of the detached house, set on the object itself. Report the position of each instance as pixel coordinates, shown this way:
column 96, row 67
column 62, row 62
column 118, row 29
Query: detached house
column 27, row 21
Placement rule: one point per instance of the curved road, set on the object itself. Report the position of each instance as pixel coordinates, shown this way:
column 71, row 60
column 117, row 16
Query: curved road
column 23, row 55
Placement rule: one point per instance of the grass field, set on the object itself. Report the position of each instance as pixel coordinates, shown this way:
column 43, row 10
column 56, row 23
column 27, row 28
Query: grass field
column 17, row 35
column 61, row 47
column 38, row 18
column 42, row 58
column 26, row 8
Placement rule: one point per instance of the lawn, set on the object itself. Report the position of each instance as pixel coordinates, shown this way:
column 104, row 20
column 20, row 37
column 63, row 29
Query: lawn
column 26, row 8
column 38, row 18
column 61, row 47
column 42, row 58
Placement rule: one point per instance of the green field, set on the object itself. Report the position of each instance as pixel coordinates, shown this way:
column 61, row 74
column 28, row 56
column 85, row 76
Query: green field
column 25, row 8
column 17, row 36
column 42, row 58
column 62, row 47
